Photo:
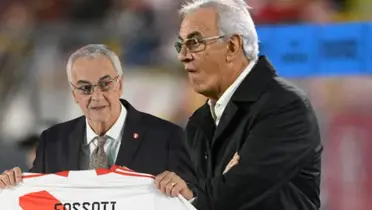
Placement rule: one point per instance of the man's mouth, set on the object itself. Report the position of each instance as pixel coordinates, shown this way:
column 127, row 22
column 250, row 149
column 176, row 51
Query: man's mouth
column 98, row 107
column 190, row 70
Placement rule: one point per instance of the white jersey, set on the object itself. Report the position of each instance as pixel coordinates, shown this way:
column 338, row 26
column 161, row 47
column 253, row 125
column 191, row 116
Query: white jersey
column 101, row 189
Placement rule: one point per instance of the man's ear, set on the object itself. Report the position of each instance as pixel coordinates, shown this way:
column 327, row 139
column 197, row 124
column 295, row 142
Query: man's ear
column 234, row 47
column 121, row 82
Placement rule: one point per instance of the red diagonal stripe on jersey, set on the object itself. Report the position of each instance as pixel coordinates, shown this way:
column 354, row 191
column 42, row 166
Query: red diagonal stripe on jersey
column 63, row 173
column 39, row 200
column 135, row 174
column 102, row 171
column 33, row 175
column 115, row 167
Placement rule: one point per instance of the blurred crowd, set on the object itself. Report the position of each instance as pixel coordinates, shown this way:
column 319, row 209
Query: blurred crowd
column 142, row 31
column 155, row 12
column 36, row 37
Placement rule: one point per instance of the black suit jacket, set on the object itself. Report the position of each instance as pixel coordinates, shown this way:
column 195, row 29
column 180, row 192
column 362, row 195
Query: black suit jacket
column 159, row 147
column 272, row 126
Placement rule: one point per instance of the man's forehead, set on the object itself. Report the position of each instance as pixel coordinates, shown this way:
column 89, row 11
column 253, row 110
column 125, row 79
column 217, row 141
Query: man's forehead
column 97, row 62
column 203, row 21
column 92, row 68
column 92, row 60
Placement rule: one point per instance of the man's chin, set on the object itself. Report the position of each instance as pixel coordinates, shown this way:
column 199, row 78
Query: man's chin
column 98, row 118
column 202, row 90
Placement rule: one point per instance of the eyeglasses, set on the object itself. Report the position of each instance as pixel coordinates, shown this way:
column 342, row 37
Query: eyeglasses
column 104, row 85
column 194, row 44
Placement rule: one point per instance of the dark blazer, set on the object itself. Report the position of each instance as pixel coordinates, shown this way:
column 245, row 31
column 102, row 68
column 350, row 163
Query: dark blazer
column 272, row 126
column 160, row 146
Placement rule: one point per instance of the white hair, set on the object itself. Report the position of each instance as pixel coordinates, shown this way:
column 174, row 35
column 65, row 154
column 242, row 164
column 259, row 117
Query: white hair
column 233, row 18
column 93, row 51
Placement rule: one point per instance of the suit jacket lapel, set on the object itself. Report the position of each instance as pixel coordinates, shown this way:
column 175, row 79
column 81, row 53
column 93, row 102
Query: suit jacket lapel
column 226, row 119
column 71, row 161
column 203, row 119
column 248, row 91
column 132, row 135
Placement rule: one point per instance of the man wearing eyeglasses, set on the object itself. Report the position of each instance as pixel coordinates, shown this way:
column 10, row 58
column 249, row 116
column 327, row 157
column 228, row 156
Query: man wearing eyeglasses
column 111, row 132
column 255, row 142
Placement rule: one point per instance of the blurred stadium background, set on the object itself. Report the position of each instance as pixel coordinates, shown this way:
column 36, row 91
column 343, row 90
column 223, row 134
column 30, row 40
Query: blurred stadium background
column 36, row 37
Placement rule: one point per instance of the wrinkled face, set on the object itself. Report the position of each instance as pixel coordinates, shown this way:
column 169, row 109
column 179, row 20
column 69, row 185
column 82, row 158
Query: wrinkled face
column 205, row 62
column 96, row 88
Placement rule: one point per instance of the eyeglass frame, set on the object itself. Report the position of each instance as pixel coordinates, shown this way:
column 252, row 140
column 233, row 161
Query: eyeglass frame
column 93, row 86
column 199, row 41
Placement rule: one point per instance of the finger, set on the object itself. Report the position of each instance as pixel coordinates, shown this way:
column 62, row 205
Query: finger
column 226, row 170
column 231, row 162
column 5, row 179
column 164, row 184
column 160, row 177
column 11, row 177
column 177, row 189
column 170, row 186
column 236, row 157
column 234, row 163
column 230, row 165
column 2, row 184
column 18, row 174
column 179, row 185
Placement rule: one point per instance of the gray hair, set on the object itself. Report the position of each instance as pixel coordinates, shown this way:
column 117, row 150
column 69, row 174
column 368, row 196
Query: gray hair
column 233, row 18
column 92, row 51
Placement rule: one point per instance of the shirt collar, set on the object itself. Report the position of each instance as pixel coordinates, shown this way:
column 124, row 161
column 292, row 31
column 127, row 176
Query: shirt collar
column 226, row 96
column 114, row 132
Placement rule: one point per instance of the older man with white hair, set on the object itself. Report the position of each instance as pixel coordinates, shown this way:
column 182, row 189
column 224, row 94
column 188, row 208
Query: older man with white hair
column 111, row 132
column 255, row 143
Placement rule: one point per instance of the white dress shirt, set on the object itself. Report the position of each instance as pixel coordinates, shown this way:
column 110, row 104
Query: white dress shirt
column 114, row 135
column 218, row 108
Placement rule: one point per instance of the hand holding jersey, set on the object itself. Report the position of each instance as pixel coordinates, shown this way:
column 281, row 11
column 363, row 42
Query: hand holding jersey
column 172, row 185
column 117, row 188
column 10, row 177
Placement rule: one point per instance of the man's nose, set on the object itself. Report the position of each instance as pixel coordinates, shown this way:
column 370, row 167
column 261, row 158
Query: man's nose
column 97, row 93
column 184, row 56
